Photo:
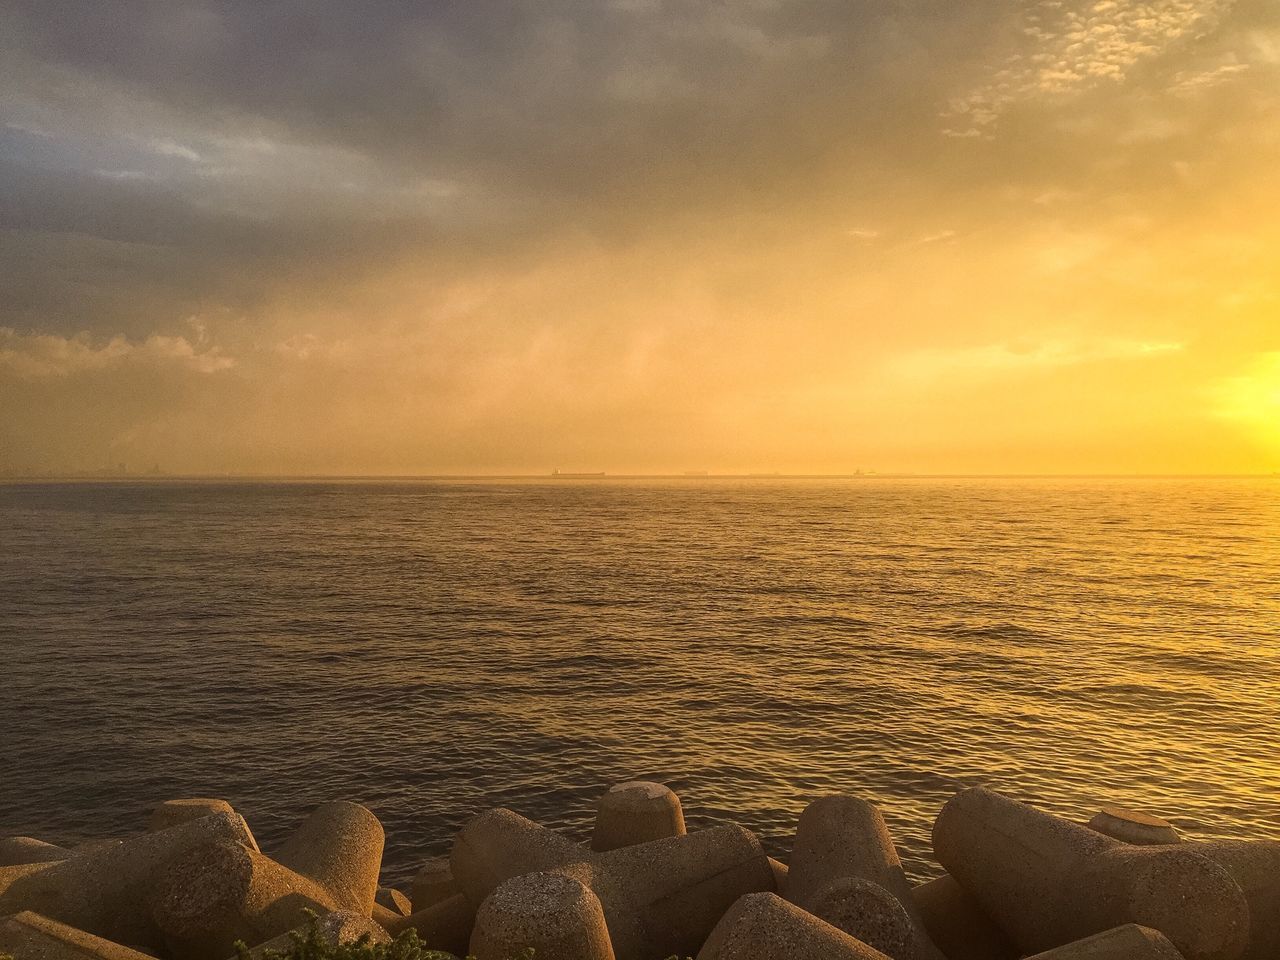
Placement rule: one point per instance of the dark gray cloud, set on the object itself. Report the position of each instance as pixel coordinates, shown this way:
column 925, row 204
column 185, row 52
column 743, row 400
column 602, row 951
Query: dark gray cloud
column 241, row 142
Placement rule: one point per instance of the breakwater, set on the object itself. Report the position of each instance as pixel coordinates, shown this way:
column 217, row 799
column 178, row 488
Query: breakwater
column 1019, row 881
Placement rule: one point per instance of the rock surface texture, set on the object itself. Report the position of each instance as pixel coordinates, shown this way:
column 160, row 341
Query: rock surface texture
column 1049, row 882
column 20, row 851
column 339, row 846
column 1130, row 942
column 1021, row 883
column 555, row 915
column 636, row 812
column 443, row 926
column 659, row 898
column 433, row 883
column 30, row 936
column 842, row 837
column 763, row 926
column 1132, row 826
column 223, row 892
column 958, row 924
column 107, row 892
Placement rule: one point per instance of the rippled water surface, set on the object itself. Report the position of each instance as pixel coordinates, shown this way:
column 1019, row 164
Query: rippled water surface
column 436, row 648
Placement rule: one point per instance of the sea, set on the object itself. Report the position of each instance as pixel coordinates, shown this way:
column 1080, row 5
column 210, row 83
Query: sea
column 434, row 648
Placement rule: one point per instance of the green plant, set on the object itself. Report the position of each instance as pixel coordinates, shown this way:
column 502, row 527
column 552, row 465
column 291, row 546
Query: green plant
column 310, row 944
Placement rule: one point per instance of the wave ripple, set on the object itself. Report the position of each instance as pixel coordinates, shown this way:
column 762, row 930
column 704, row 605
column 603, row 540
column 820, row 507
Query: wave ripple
column 433, row 649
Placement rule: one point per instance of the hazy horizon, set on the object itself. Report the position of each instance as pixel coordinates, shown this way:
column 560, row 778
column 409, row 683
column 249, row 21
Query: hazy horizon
column 641, row 236
column 590, row 476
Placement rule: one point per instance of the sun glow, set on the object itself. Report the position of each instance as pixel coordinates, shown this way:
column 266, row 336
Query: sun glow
column 1253, row 398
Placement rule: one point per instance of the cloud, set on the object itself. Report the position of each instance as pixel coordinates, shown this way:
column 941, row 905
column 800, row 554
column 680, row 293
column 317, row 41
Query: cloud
column 1069, row 46
column 1013, row 358
column 35, row 356
column 478, row 235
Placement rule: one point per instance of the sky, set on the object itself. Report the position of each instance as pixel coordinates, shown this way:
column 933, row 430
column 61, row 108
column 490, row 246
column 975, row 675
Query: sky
column 508, row 236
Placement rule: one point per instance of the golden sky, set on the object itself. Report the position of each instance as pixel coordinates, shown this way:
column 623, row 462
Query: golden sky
column 640, row 236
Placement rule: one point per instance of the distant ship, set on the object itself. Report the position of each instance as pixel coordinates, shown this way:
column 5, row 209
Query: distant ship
column 563, row 475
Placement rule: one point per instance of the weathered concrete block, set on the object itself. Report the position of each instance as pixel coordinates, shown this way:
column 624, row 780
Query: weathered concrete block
column 841, row 836
column 433, row 884
column 671, row 893
column 222, row 892
column 763, row 926
column 558, row 916
column 391, row 899
column 870, row 913
column 958, row 925
column 97, row 845
column 1049, row 882
column 500, row 844
column 339, row 846
column 20, row 851
column 1255, row 867
column 10, row 876
column 1129, row 942
column 106, row 892
column 780, row 873
column 384, row 917
column 30, row 936
column 171, row 813
column 446, row 925
column 341, row 926
column 636, row 812
column 1131, row 826
column 659, row 898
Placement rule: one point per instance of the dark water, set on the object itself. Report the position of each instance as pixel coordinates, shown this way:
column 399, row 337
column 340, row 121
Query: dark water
column 433, row 649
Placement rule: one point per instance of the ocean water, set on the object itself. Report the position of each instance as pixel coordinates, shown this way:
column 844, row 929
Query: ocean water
column 433, row 649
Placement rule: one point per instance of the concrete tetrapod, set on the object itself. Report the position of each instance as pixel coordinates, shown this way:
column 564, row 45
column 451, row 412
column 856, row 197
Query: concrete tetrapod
column 1255, row 867
column 1132, row 826
column 19, row 851
column 222, row 892
column 106, row 892
column 433, row 884
column 1049, row 882
column 841, row 836
column 1253, row 864
column 659, row 898
column 171, row 813
column 780, row 873
column 391, row 899
column 443, row 926
column 763, row 926
column 98, row 845
column 339, row 846
column 958, row 925
column 636, row 812
column 1129, row 942
column 30, row 936
column 386, row 917
column 870, row 913
column 332, row 929
column 555, row 915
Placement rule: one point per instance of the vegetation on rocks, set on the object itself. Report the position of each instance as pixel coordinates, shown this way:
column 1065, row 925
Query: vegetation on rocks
column 312, row 945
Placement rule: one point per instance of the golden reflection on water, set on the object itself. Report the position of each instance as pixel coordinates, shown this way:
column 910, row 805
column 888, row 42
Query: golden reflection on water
column 435, row 648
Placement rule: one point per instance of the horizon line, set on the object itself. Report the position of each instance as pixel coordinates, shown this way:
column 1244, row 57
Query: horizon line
column 604, row 475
